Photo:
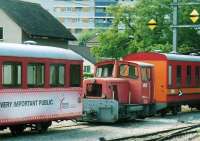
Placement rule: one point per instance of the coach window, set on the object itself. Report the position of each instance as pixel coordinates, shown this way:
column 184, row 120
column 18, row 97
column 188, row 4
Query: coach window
column 35, row 75
column 12, row 74
column 128, row 71
column 1, row 33
column 75, row 75
column 197, row 75
column 170, row 75
column 178, row 75
column 189, row 75
column 57, row 73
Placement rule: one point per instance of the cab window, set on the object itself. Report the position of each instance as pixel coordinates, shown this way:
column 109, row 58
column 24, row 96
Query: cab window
column 104, row 70
column 128, row 71
column 146, row 74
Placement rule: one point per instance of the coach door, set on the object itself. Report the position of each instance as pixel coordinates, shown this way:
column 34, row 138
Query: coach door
column 146, row 74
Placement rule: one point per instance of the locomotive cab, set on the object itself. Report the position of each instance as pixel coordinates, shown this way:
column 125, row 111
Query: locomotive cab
column 119, row 90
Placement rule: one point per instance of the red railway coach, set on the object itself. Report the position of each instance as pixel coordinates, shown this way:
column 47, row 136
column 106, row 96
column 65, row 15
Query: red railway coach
column 177, row 78
column 38, row 85
column 141, row 85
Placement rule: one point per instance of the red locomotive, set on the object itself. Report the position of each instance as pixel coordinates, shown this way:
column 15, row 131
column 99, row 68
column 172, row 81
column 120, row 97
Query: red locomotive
column 38, row 84
column 140, row 85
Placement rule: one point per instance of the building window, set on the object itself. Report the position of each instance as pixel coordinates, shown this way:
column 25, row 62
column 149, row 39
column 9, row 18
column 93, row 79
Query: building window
column 35, row 75
column 73, row 20
column 60, row 9
column 1, row 33
column 69, row 9
column 75, row 75
column 197, row 75
column 189, row 76
column 87, row 69
column 85, row 20
column 91, row 20
column 78, row 9
column 178, row 75
column 12, row 74
column 101, row 10
column 86, row 9
column 170, row 75
column 57, row 73
column 63, row 9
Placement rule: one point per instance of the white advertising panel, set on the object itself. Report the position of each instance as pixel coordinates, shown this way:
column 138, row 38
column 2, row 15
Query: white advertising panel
column 38, row 104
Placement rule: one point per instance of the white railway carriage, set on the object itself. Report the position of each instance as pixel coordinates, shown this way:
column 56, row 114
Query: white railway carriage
column 38, row 85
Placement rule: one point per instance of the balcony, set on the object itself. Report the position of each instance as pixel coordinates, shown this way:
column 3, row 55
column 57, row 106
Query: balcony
column 100, row 14
column 103, row 25
column 105, row 3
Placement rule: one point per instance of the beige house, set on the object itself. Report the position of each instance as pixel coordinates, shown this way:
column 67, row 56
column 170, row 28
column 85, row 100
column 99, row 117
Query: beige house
column 22, row 21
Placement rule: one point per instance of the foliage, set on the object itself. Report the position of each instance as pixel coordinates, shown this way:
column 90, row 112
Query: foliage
column 84, row 37
column 129, row 32
column 161, row 47
column 87, row 75
column 113, row 44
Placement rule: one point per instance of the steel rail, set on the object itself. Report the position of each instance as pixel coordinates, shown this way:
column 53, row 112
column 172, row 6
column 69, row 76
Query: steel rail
column 160, row 135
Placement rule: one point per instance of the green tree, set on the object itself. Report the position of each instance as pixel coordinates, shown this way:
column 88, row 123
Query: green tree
column 84, row 37
column 135, row 36
column 112, row 44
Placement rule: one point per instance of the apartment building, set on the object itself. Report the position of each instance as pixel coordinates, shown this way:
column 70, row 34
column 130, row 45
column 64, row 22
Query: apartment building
column 82, row 15
column 77, row 15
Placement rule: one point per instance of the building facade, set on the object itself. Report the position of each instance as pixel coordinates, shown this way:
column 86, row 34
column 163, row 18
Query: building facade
column 102, row 19
column 82, row 15
column 77, row 15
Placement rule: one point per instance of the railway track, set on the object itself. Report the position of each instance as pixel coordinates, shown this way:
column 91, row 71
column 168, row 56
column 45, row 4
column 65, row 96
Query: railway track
column 160, row 135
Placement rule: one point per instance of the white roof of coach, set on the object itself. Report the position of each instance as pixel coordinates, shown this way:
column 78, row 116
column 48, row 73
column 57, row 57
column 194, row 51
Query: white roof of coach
column 36, row 51
column 180, row 57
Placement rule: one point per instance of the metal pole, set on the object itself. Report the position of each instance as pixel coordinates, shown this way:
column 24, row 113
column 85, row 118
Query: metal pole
column 175, row 23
